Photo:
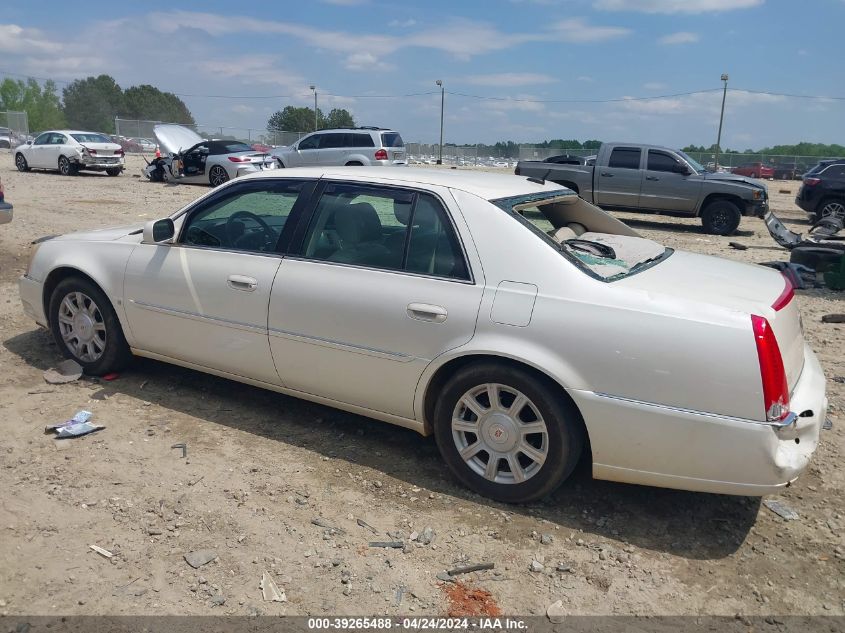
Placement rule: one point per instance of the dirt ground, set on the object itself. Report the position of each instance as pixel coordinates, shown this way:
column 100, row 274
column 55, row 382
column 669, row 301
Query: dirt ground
column 274, row 484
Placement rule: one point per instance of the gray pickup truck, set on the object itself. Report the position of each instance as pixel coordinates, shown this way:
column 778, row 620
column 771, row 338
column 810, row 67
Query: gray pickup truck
column 628, row 176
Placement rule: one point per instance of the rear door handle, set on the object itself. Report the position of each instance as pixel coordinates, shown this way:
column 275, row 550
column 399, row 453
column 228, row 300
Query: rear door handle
column 427, row 312
column 607, row 174
column 241, row 282
column 652, row 178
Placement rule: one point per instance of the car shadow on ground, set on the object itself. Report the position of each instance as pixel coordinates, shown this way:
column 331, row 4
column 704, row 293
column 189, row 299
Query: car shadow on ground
column 690, row 525
column 674, row 227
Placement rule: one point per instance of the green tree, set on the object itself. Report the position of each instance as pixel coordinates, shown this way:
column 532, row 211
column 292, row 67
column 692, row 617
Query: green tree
column 41, row 104
column 149, row 103
column 93, row 103
column 293, row 119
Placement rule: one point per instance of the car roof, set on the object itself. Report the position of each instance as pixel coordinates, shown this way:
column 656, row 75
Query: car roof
column 487, row 185
column 74, row 132
column 354, row 129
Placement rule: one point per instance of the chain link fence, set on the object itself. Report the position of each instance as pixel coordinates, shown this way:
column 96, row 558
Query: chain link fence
column 130, row 131
column 14, row 129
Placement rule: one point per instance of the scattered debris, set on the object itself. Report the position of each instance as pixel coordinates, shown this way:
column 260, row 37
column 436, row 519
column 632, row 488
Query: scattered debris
column 218, row 601
column 200, row 557
column 66, row 371
column 426, row 537
column 737, row 246
column 184, row 448
column 391, row 544
column 546, row 539
column 556, row 613
column 457, row 571
column 466, row 601
column 781, row 509
column 101, row 551
column 78, row 418
column 321, row 522
column 270, row 590
column 400, row 592
column 78, row 425
column 366, row 525
column 833, row 318
column 536, row 566
column 110, row 377
column 827, row 424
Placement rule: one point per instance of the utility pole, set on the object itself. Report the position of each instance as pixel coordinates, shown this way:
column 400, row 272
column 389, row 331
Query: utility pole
column 721, row 119
column 442, row 98
column 314, row 88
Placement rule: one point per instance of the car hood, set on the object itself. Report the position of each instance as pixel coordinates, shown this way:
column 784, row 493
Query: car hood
column 101, row 235
column 721, row 176
column 175, row 138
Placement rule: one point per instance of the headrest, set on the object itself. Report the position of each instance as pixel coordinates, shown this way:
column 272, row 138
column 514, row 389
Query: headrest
column 357, row 223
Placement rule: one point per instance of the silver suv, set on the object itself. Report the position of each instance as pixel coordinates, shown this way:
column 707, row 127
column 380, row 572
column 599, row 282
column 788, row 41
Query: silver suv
column 345, row 146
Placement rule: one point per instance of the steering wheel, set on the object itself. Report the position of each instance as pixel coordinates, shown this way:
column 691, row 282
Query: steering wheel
column 270, row 236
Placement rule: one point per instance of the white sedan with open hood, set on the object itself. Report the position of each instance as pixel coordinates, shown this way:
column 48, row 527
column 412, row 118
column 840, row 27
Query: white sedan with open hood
column 517, row 323
column 193, row 159
column 69, row 152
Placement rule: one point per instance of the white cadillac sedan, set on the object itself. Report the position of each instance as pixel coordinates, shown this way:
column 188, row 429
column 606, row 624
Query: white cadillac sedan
column 517, row 323
column 69, row 152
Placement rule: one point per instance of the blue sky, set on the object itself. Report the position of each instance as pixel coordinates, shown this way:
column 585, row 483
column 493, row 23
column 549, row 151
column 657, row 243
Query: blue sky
column 525, row 52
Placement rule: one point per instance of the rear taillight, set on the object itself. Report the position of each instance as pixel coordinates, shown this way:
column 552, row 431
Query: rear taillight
column 92, row 152
column 239, row 159
column 381, row 154
column 812, row 182
column 785, row 297
column 118, row 152
column 772, row 372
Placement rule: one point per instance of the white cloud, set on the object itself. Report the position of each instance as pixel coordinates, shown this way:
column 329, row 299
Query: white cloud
column 402, row 24
column 681, row 37
column 508, row 79
column 579, row 31
column 365, row 61
column 16, row 39
column 675, row 6
column 242, row 108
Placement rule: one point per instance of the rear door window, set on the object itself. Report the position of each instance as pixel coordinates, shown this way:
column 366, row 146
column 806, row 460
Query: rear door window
column 391, row 139
column 362, row 140
column 333, row 140
column 625, row 158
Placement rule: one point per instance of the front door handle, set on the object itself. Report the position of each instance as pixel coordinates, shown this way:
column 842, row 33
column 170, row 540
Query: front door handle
column 607, row 174
column 241, row 282
column 427, row 312
column 652, row 178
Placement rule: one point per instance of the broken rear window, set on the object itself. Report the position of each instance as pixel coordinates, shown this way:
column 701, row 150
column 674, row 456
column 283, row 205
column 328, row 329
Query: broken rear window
column 596, row 242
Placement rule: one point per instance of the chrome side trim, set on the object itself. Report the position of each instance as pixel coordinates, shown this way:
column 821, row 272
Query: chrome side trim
column 240, row 325
column 349, row 347
column 789, row 420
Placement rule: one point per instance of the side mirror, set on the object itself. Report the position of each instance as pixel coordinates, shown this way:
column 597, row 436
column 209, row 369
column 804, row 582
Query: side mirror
column 159, row 231
column 29, row 142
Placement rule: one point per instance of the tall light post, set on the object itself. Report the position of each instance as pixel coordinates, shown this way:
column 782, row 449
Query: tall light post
column 721, row 119
column 442, row 98
column 314, row 88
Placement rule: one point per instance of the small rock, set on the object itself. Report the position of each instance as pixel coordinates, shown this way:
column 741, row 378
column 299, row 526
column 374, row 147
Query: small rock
column 200, row 557
column 556, row 613
column 536, row 566
column 218, row 601
column 427, row 536
column 546, row 539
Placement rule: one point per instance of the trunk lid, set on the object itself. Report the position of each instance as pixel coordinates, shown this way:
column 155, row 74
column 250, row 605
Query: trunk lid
column 175, row 138
column 731, row 285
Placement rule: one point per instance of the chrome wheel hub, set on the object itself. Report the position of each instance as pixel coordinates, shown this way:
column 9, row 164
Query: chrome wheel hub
column 81, row 326
column 500, row 433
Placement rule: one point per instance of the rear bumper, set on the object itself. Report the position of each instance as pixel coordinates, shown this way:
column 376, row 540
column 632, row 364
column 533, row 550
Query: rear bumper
column 252, row 168
column 655, row 445
column 807, row 205
column 31, row 298
column 97, row 165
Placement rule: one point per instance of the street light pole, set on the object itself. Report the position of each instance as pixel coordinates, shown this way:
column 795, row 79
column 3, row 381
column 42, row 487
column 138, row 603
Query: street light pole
column 721, row 119
column 442, row 98
column 314, row 88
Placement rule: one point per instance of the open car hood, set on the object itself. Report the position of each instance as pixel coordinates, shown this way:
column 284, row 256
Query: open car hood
column 175, row 138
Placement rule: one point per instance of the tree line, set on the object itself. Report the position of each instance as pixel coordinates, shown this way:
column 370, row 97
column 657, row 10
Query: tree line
column 820, row 150
column 90, row 104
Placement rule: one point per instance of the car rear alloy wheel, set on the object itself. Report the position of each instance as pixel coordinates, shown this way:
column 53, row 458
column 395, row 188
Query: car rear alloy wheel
column 507, row 433
column 500, row 434
column 217, row 176
column 833, row 209
column 66, row 168
column 86, row 328
column 20, row 163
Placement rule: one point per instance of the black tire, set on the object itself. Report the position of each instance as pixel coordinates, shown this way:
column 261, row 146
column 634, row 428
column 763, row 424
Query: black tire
column 816, row 257
column 279, row 164
column 354, row 163
column 20, row 162
column 720, row 217
column 217, row 175
column 565, row 434
column 116, row 354
column 114, row 171
column 67, row 168
column 834, row 207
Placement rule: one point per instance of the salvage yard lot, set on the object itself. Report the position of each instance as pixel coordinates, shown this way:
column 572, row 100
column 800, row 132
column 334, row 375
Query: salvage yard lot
column 261, row 467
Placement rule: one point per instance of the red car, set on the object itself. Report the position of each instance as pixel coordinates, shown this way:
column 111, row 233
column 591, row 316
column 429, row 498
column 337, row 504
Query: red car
column 754, row 170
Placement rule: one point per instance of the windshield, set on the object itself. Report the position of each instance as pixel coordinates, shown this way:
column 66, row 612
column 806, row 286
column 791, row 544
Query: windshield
column 596, row 242
column 91, row 138
column 693, row 163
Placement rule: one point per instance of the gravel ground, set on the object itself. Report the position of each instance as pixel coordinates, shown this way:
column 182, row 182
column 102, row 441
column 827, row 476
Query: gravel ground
column 297, row 490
